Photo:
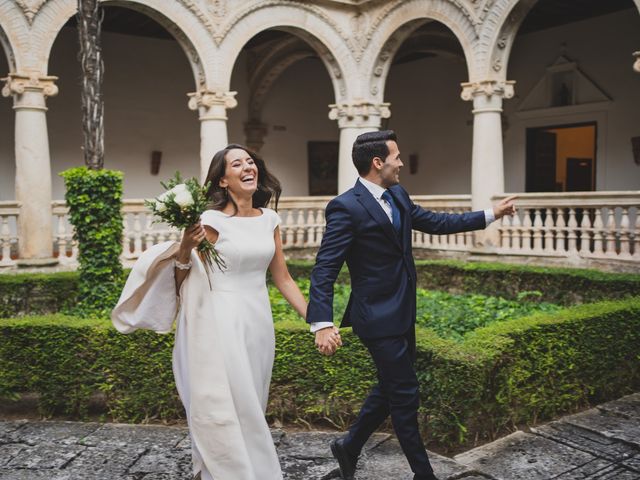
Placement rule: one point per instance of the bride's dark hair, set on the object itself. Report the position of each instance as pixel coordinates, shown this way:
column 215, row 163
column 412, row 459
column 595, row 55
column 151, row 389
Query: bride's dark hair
column 268, row 185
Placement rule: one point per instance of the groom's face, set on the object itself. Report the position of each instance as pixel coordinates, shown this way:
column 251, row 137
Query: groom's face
column 390, row 172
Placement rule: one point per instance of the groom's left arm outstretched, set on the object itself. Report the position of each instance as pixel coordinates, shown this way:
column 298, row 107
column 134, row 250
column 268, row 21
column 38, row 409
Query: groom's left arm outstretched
column 448, row 223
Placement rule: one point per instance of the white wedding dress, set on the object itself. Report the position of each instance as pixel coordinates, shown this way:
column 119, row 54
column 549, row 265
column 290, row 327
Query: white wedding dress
column 225, row 343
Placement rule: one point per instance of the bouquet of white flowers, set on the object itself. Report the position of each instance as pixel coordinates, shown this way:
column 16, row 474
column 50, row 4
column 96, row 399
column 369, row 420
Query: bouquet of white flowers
column 181, row 206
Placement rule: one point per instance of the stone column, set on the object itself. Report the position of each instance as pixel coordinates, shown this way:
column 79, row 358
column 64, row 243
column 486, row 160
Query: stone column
column 636, row 65
column 487, row 163
column 33, row 165
column 255, row 131
column 212, row 108
column 354, row 119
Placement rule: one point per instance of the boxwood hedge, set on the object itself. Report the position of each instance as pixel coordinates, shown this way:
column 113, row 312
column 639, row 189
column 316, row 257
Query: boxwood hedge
column 521, row 370
column 32, row 294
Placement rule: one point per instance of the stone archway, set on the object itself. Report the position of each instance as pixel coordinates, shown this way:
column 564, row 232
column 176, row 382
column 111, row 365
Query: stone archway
column 398, row 21
column 307, row 22
column 186, row 28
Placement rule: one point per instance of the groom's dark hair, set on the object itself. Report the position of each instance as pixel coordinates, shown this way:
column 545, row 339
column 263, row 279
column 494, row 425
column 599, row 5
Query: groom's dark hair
column 370, row 145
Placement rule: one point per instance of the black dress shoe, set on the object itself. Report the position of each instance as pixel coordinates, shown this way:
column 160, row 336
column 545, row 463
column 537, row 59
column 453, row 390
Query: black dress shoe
column 346, row 461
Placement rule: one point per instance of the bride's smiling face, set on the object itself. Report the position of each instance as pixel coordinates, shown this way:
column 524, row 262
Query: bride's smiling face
column 241, row 173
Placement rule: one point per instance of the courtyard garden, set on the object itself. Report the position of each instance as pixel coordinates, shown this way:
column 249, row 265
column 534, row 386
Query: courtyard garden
column 498, row 346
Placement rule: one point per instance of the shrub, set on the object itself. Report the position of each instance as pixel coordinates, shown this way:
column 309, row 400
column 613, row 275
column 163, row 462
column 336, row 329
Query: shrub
column 28, row 294
column 94, row 198
column 553, row 285
column 511, row 372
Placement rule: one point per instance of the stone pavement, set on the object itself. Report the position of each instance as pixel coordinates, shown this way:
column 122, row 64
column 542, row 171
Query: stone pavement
column 601, row 443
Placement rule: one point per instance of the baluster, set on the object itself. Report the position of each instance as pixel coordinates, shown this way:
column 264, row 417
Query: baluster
column 561, row 232
column 61, row 235
column 572, row 237
column 289, row 230
column 625, row 234
column 468, row 240
column 126, row 247
column 537, row 230
column 505, row 233
column 175, row 235
column 137, row 235
column 610, row 231
column 598, row 234
column 548, row 231
column 6, row 243
column 585, row 233
column 516, row 233
column 526, row 230
column 74, row 251
column 301, row 227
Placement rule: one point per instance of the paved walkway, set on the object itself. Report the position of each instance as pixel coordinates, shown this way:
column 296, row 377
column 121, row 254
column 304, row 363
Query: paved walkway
column 602, row 443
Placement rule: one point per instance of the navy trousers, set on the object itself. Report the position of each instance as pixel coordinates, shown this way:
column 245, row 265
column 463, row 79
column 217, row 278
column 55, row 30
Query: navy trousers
column 396, row 394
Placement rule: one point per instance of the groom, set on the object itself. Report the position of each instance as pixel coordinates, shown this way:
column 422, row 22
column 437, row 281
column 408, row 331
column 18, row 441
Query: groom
column 369, row 227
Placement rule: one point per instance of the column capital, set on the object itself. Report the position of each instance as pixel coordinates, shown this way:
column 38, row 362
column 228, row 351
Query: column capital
column 487, row 88
column 636, row 65
column 359, row 114
column 29, row 90
column 211, row 104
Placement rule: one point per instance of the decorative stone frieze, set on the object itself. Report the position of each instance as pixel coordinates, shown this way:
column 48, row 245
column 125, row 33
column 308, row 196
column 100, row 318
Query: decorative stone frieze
column 489, row 88
column 359, row 113
column 30, row 8
column 212, row 105
column 636, row 65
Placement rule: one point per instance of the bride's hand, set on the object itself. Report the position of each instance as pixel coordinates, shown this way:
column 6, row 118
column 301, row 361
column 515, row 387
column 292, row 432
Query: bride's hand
column 192, row 237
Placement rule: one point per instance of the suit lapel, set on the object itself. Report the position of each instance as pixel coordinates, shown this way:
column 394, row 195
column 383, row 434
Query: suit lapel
column 377, row 213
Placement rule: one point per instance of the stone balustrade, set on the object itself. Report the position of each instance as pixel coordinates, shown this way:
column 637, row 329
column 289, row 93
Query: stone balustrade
column 594, row 225
column 9, row 212
column 604, row 225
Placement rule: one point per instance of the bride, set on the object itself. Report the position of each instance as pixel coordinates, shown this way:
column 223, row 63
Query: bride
column 225, row 342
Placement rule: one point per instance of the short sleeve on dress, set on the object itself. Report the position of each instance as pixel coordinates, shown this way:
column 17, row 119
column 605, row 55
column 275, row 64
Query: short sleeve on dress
column 274, row 218
column 211, row 218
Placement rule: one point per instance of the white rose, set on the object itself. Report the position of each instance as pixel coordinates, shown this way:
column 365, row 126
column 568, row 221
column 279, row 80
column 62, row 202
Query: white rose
column 160, row 205
column 181, row 187
column 183, row 198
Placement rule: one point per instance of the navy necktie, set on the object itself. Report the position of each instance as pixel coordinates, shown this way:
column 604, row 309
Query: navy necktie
column 395, row 213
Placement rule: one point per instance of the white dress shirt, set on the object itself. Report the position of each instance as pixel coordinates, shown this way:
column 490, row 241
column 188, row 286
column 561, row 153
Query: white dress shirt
column 377, row 191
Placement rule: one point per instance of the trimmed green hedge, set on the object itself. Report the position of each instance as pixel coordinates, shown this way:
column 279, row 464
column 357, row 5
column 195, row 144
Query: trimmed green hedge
column 515, row 371
column 564, row 286
column 32, row 294
column 35, row 294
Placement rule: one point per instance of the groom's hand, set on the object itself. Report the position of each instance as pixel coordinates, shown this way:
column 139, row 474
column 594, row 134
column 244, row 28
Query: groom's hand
column 328, row 340
column 505, row 207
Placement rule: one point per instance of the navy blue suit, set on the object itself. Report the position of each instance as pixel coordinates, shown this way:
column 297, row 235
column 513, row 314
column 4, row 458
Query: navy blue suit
column 382, row 305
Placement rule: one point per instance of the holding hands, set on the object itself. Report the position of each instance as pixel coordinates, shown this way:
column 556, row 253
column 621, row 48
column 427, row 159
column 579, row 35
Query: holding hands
column 328, row 340
column 505, row 207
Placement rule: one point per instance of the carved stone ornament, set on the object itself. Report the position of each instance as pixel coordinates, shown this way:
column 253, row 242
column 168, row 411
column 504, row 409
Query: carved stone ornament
column 17, row 84
column 208, row 99
column 358, row 112
column 489, row 88
column 30, row 8
column 636, row 65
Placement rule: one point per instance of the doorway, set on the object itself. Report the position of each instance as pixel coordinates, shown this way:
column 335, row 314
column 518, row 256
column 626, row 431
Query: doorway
column 561, row 158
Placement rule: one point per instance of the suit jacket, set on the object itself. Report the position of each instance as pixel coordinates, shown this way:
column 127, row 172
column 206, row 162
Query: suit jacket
column 380, row 260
